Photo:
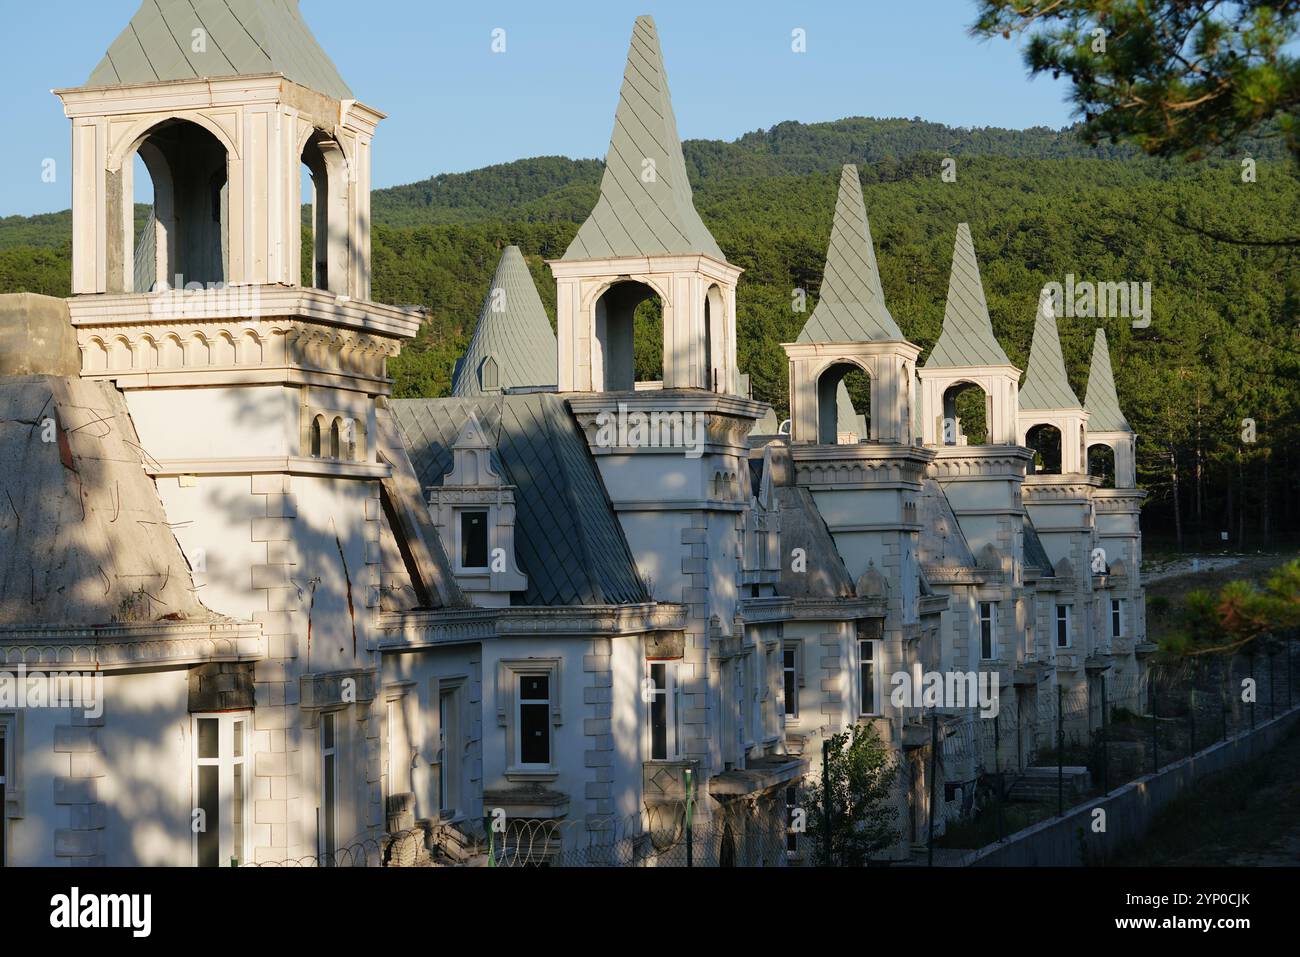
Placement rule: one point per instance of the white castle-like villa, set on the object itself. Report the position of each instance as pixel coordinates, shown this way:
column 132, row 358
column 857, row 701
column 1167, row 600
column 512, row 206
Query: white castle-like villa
column 311, row 615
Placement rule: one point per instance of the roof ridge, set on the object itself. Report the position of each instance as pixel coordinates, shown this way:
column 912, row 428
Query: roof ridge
column 851, row 303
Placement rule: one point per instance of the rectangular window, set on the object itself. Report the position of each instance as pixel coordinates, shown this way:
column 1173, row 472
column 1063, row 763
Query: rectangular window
column 1116, row 618
column 399, row 748
column 658, row 692
column 533, row 721
column 988, row 635
column 474, row 539
column 867, row 677
column 329, row 790
column 790, row 671
column 220, row 787
column 448, row 751
column 1063, row 626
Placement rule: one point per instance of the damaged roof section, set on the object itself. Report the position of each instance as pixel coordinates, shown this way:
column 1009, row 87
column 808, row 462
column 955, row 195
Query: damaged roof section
column 568, row 540
column 83, row 536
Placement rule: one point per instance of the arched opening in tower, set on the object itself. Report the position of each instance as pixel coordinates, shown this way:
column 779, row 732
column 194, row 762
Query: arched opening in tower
column 843, row 405
column 1045, row 441
column 629, row 337
column 967, row 411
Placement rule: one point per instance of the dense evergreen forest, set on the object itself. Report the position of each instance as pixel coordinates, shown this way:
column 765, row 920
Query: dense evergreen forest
column 1222, row 347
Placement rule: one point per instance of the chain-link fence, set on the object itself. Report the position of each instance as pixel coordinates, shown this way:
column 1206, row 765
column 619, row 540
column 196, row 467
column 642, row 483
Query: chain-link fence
column 1050, row 747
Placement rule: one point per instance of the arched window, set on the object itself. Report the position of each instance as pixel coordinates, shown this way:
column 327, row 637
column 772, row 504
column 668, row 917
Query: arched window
column 316, row 425
column 185, row 238
column 336, row 439
column 325, row 253
column 843, row 405
column 967, row 410
column 629, row 336
column 1045, row 441
column 715, row 346
column 1101, row 464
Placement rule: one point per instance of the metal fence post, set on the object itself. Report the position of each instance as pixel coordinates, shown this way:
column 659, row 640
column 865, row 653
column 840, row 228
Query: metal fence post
column 934, row 754
column 690, row 817
column 1060, row 751
column 1272, row 687
column 826, row 801
column 1155, row 735
column 1105, row 748
column 997, row 768
column 1191, row 721
column 1254, row 691
column 1223, row 694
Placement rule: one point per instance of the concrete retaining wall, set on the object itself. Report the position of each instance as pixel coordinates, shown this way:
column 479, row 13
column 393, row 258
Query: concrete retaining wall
column 1066, row 841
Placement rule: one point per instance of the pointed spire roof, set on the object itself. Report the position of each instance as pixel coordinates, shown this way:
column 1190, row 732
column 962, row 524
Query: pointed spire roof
column 646, row 207
column 1046, row 385
column 513, row 332
column 967, row 338
column 1101, row 400
column 851, row 307
column 239, row 38
column 847, row 418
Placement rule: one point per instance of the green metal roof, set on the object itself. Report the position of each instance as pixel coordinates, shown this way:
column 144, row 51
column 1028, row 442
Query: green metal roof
column 568, row 541
column 646, row 206
column 1101, row 400
column 851, row 305
column 239, row 38
column 1046, row 385
column 967, row 338
column 513, row 332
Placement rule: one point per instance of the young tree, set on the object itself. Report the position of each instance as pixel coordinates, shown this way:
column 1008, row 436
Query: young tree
column 860, row 778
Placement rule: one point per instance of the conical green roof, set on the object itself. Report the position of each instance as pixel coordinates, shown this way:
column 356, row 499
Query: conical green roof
column 851, row 307
column 646, row 207
column 513, row 344
column 967, row 338
column 197, row 39
column 1101, row 400
column 1046, row 385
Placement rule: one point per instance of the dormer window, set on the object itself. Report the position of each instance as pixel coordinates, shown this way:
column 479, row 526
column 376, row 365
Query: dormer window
column 474, row 539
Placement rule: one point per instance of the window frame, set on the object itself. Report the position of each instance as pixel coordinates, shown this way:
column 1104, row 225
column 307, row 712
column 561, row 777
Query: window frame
column 790, row 673
column 1064, row 619
column 1116, row 618
column 6, row 776
column 449, row 761
column 461, row 514
column 397, row 703
column 328, row 811
column 992, row 620
column 232, row 836
column 874, row 660
column 671, row 694
column 519, row 678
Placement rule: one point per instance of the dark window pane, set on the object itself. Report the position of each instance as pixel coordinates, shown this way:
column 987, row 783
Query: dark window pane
column 209, row 801
column 659, row 714
column 534, row 687
column 791, row 703
column 473, row 539
column 208, row 732
column 327, row 731
column 328, row 809
column 534, row 734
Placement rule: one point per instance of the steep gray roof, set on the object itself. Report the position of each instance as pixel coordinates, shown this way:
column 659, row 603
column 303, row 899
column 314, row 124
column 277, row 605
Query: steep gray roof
column 82, row 529
column 243, row 37
column 1100, row 400
column 646, row 206
column 1046, row 385
column 802, row 526
column 967, row 338
column 942, row 542
column 518, row 337
column 1035, row 555
column 851, row 305
column 568, row 540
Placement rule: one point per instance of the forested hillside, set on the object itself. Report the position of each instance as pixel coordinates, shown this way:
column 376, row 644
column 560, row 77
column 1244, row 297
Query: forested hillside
column 1222, row 345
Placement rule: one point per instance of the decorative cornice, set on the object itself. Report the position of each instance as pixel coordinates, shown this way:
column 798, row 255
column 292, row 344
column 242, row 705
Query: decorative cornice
column 268, row 465
column 413, row 630
column 728, row 419
column 1059, row 489
column 117, row 647
column 956, row 463
column 874, row 464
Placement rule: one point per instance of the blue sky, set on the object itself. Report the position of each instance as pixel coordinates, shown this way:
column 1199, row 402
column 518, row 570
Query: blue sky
column 455, row 105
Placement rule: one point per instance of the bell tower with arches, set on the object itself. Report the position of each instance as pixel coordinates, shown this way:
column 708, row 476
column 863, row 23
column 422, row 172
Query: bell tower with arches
column 644, row 240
